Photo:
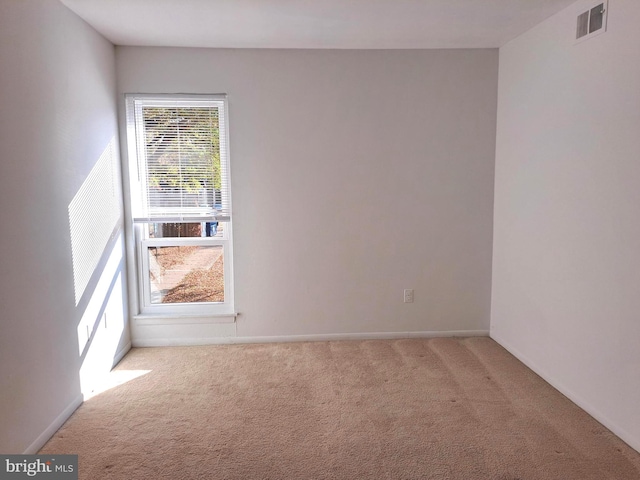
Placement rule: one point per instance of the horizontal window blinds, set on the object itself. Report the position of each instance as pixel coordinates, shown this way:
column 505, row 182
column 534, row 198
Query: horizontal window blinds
column 182, row 159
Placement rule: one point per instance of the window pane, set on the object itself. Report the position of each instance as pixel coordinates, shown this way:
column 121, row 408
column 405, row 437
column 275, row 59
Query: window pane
column 186, row 274
column 182, row 156
column 184, row 230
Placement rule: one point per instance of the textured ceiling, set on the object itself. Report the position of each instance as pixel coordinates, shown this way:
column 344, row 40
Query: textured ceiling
column 315, row 23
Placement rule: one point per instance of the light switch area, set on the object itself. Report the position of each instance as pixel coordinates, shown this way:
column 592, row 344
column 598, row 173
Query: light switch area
column 408, row 295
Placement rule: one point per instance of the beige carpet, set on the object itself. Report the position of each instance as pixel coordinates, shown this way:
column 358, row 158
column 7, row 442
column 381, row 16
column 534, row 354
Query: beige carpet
column 401, row 409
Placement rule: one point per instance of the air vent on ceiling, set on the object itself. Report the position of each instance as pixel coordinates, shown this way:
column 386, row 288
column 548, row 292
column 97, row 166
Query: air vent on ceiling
column 592, row 21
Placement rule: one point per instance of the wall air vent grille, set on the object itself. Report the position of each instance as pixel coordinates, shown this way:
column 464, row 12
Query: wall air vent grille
column 592, row 21
column 596, row 18
column 583, row 25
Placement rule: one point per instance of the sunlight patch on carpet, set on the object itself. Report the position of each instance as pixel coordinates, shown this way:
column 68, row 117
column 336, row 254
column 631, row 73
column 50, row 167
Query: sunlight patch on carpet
column 114, row 379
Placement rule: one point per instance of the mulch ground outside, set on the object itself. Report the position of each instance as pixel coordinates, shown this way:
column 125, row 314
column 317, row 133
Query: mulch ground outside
column 199, row 284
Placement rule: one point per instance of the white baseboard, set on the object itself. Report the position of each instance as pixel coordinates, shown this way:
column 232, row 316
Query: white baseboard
column 67, row 412
column 571, row 395
column 120, row 354
column 177, row 341
column 53, row 428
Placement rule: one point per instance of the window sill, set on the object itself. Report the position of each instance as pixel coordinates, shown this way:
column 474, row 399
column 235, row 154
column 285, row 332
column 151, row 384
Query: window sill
column 176, row 319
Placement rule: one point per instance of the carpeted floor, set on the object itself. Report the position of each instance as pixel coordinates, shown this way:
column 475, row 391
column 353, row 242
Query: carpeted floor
column 461, row 409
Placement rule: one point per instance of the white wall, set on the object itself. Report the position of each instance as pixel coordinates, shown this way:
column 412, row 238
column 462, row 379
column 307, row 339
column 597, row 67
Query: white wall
column 58, row 124
column 355, row 174
column 566, row 264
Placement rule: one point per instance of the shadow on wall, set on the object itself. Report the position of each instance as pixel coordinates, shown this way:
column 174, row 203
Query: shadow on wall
column 97, row 248
column 94, row 214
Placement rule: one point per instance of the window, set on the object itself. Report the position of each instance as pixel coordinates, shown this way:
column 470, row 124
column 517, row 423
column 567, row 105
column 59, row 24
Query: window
column 181, row 203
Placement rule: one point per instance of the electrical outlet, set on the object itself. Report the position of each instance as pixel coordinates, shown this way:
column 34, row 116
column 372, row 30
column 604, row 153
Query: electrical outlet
column 408, row 295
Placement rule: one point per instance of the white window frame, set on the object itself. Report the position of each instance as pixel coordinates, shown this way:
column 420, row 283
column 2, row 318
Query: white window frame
column 141, row 231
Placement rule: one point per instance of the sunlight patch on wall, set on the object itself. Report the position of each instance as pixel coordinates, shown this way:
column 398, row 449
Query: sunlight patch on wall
column 94, row 213
column 106, row 303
